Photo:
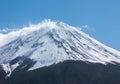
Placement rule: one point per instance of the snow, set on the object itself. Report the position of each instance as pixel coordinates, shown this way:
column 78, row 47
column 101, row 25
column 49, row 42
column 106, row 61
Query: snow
column 52, row 42
column 7, row 69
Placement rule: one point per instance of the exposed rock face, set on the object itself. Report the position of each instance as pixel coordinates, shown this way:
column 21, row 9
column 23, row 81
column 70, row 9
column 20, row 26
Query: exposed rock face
column 68, row 72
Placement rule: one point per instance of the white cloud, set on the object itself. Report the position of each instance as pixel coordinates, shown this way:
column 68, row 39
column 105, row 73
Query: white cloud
column 85, row 26
column 7, row 30
column 88, row 28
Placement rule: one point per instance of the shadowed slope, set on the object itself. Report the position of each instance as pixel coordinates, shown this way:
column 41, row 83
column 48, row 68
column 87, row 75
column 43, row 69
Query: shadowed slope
column 69, row 72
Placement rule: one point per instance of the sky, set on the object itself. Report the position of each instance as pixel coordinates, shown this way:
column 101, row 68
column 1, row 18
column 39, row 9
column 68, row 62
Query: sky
column 98, row 18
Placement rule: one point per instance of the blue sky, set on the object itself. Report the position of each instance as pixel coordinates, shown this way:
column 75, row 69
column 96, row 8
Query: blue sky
column 101, row 16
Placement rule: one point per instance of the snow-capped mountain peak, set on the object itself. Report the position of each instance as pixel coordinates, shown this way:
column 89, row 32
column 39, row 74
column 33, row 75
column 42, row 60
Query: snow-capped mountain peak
column 49, row 43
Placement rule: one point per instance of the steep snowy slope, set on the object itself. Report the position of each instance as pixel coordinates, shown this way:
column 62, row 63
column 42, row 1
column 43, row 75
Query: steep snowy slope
column 49, row 43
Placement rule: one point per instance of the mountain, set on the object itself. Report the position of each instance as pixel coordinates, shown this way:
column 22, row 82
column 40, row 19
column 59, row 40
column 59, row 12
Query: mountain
column 54, row 49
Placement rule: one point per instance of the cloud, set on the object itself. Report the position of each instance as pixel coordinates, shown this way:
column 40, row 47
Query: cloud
column 85, row 26
column 88, row 28
column 7, row 30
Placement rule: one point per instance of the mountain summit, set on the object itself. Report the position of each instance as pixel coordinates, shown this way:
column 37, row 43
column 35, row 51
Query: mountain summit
column 50, row 43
